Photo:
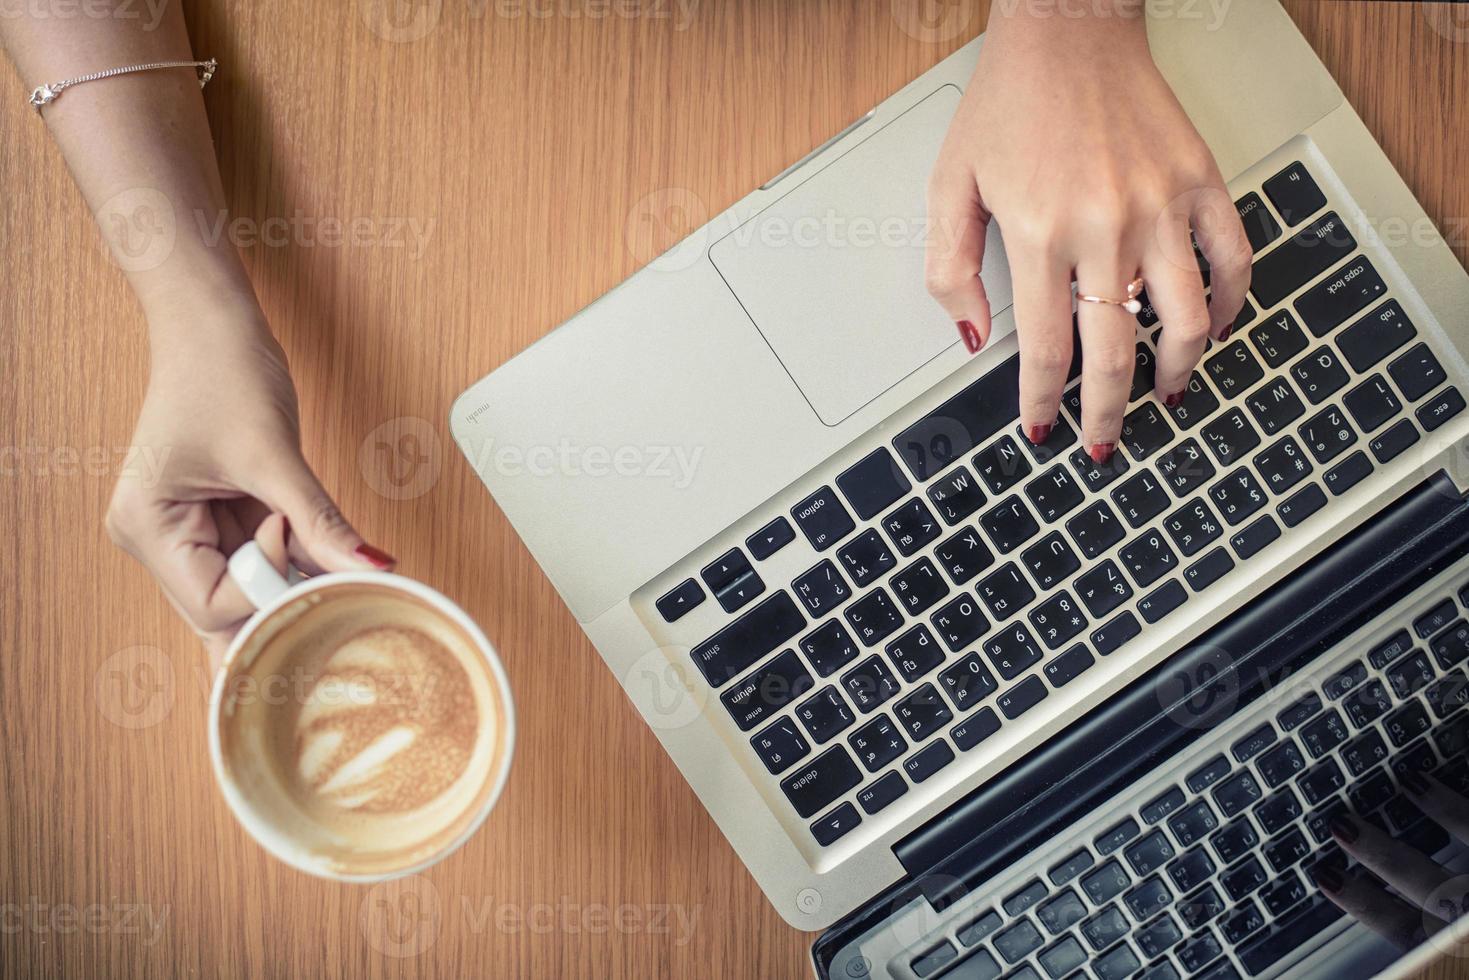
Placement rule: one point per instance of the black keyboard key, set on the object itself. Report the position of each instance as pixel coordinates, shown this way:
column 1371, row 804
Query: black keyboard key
column 1410, row 674
column 1158, row 936
column 969, row 733
column 1190, row 870
column 1372, row 403
column 934, row 959
column 770, row 538
column 1301, row 505
column 910, row 526
column 924, row 764
column 1242, row 923
column 1050, row 561
column 1068, row 869
column 1328, row 304
column 1279, row 811
column 821, row 589
column 1001, row 465
column 1103, row 588
column 1114, row 837
column 869, row 684
column 1111, row 635
column 1095, row 529
column 1148, row 898
column 1208, row 569
column 1145, row 430
column 1161, row 601
column 1243, row 879
column 1451, row 647
column 1057, row 620
column 873, row 483
column 1376, row 335
column 1348, row 473
column 1238, row 496
column 982, row 927
column 1021, row 698
column 1261, row 227
column 956, row 496
column 1440, row 408
column 922, row 713
column 1253, row 539
column 1098, row 476
column 1105, row 928
column 1327, row 434
column 1284, row 893
column 1289, row 934
column 1148, row 558
column 825, row 714
column 1394, row 440
column 1372, row 792
column 733, row 580
column 1302, row 257
column 1366, row 704
column 877, row 743
column 780, row 746
column 866, row 558
column 1298, row 712
column 767, row 690
column 1294, row 194
column 1025, row 899
column 1140, row 498
column 874, row 617
column 829, row 647
column 1018, row 941
column 1281, row 764
column 1062, row 957
column 1252, row 743
column 915, row 653
column 1417, row 372
column 1009, row 524
column 1236, row 794
column 1230, row 437
column 1363, row 752
column 967, row 683
column 815, row 785
column 1200, row 907
column 1054, row 493
column 1184, row 467
column 1161, row 806
column 1142, row 372
column 678, row 600
column 963, row 422
column 1435, row 619
column 823, row 519
column 1066, row 667
column 960, row 622
column 881, row 793
column 1149, row 854
column 1234, row 369
column 1199, row 402
column 918, row 586
column 1107, row 882
column 1278, row 338
column 748, row 639
column 1200, row 951
column 1063, row 911
column 1005, row 591
column 1319, row 375
column 835, row 825
column 1275, row 405
column 1192, row 527
column 1323, row 733
column 963, row 556
column 1235, row 840
column 1062, row 438
column 1116, row 964
column 1282, row 466
column 1208, row 774
column 1320, row 782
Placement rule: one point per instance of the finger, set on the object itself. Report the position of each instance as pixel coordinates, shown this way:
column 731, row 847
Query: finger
column 954, row 253
column 1411, row 873
column 1177, row 292
column 1042, row 286
column 324, row 535
column 1108, row 355
column 1364, row 898
column 1221, row 237
column 1447, row 808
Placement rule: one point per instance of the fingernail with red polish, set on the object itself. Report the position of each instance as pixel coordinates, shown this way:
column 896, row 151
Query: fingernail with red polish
column 1344, row 829
column 1224, row 334
column 1174, row 400
column 1327, row 878
column 375, row 557
column 1038, row 434
column 1414, row 783
column 969, row 335
column 1101, row 452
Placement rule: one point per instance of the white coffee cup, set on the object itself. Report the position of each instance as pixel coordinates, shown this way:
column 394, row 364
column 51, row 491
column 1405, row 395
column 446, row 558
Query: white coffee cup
column 267, row 741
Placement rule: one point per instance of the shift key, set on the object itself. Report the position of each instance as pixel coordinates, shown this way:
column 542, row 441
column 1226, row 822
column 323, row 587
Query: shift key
column 748, row 638
column 1302, row 257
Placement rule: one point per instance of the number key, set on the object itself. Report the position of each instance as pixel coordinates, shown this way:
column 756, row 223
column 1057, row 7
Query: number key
column 1192, row 526
column 1283, row 465
column 1327, row 434
column 1372, row 403
column 1238, row 495
column 1148, row 557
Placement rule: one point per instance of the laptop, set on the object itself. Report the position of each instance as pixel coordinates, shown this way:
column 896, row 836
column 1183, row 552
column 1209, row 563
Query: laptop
column 975, row 708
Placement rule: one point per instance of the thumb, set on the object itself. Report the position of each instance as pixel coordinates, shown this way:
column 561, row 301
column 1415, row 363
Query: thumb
column 955, row 253
column 317, row 525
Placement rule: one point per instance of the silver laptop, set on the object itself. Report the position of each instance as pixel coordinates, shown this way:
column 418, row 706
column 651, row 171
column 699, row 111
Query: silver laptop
column 980, row 708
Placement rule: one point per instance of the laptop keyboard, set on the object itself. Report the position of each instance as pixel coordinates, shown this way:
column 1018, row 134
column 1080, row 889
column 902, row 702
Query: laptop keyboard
column 1211, row 876
column 956, row 574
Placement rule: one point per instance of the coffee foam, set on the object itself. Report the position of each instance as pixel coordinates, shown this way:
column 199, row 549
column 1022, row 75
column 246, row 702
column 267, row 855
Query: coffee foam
column 362, row 728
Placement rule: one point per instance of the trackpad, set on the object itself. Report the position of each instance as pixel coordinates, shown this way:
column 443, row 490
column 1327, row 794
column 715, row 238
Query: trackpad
column 832, row 272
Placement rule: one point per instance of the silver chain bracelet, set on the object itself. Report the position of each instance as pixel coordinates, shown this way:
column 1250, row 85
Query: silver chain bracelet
column 47, row 94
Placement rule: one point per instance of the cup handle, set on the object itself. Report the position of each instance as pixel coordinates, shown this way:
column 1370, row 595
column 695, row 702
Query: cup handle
column 257, row 578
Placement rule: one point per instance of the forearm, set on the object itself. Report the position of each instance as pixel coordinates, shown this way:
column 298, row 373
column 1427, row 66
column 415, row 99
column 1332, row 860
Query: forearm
column 139, row 148
column 1088, row 26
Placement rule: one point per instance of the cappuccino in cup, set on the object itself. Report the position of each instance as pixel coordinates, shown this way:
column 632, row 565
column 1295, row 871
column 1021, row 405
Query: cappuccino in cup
column 361, row 727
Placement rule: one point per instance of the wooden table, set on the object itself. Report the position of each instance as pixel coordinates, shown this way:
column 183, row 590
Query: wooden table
column 492, row 172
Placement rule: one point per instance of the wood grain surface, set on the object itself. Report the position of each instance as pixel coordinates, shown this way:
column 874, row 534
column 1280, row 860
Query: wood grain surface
column 494, row 171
